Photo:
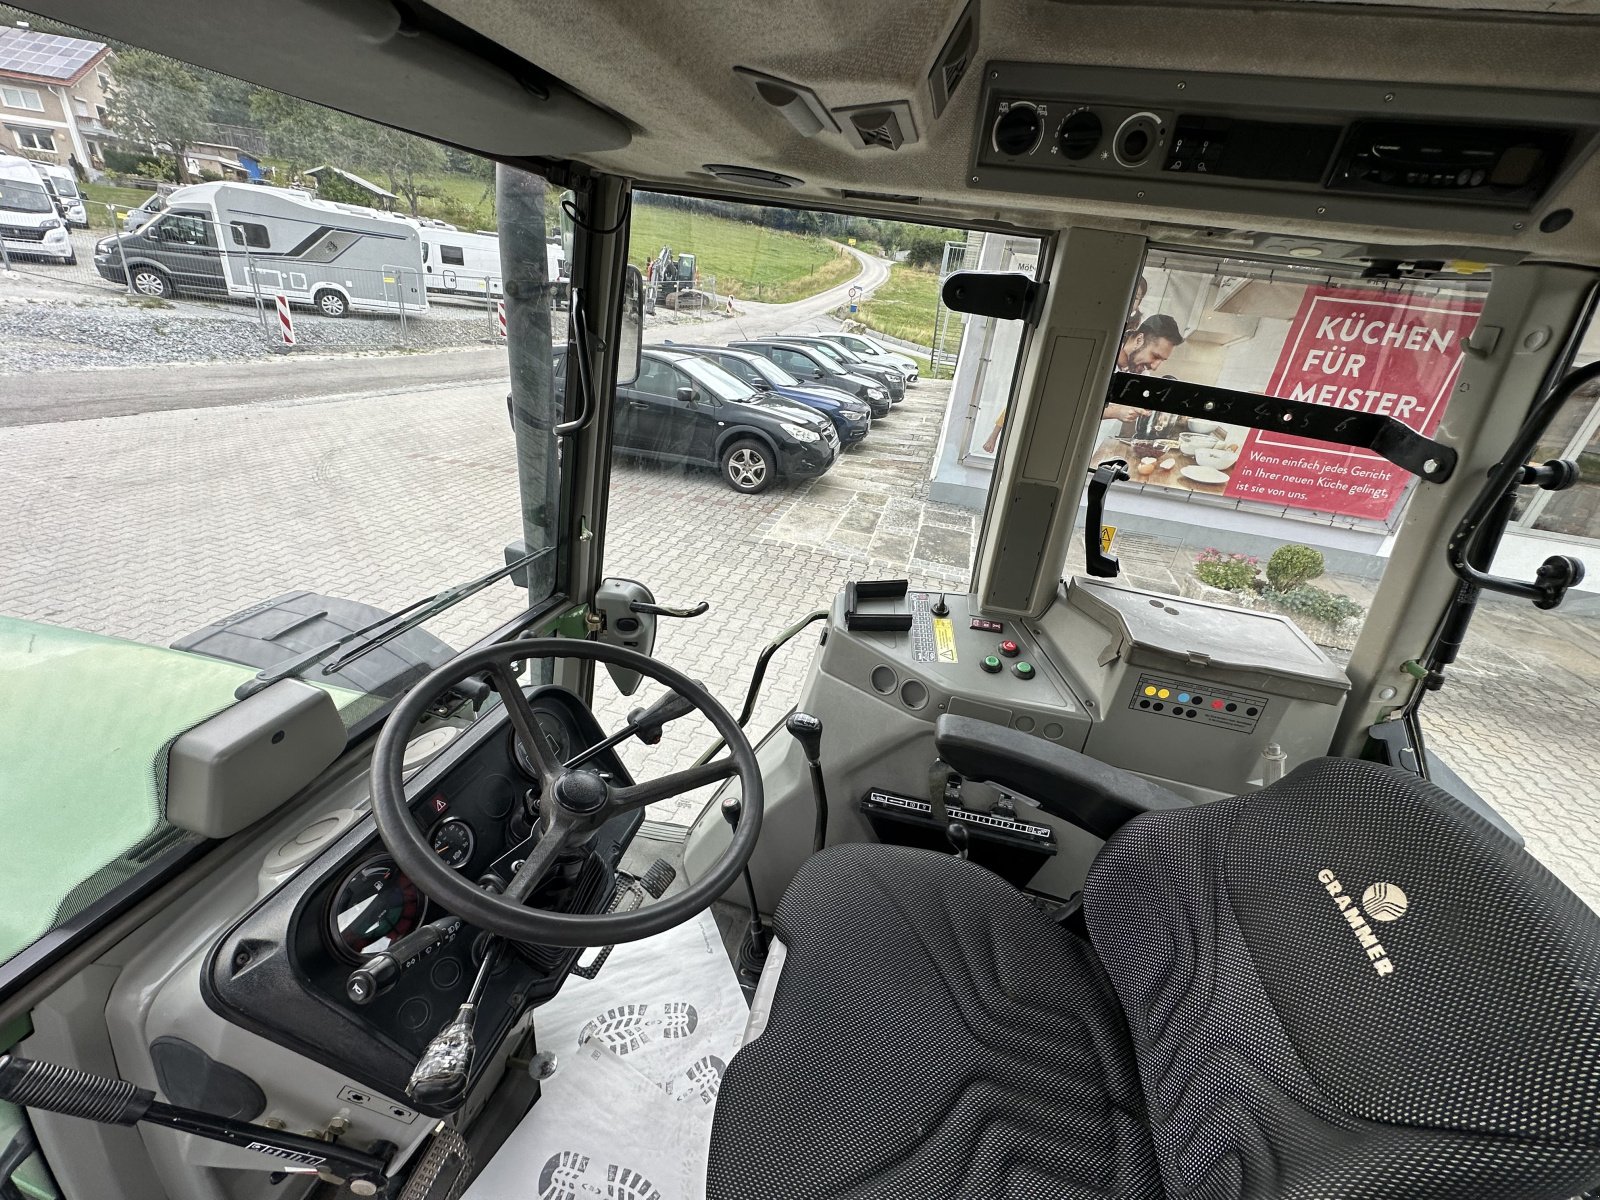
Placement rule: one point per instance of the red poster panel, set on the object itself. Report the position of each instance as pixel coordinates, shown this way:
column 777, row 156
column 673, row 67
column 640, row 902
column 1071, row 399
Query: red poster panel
column 1375, row 352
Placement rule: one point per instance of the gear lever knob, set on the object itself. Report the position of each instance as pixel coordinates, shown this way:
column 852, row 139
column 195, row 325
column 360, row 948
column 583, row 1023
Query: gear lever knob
column 956, row 834
column 807, row 730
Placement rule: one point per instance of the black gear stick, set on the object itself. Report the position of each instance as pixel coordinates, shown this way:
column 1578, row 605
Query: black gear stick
column 753, row 950
column 807, row 730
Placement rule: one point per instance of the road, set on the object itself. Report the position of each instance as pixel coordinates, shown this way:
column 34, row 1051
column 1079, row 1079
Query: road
column 88, row 395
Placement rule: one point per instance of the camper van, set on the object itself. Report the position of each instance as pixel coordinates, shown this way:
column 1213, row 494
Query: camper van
column 456, row 263
column 242, row 241
column 63, row 185
column 28, row 219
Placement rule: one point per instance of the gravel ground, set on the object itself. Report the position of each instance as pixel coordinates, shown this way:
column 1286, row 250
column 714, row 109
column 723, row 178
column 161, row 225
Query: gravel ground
column 85, row 331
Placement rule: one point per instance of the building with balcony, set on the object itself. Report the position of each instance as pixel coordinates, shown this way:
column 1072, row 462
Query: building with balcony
column 53, row 96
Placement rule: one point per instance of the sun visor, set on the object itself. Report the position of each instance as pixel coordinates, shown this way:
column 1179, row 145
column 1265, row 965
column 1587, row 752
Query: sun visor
column 426, row 72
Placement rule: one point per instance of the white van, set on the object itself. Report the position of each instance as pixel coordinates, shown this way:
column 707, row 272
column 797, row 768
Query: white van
column 29, row 223
column 61, row 181
column 468, row 264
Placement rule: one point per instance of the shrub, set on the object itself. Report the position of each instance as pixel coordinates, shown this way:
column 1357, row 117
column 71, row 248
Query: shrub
column 1230, row 572
column 1292, row 565
column 1318, row 603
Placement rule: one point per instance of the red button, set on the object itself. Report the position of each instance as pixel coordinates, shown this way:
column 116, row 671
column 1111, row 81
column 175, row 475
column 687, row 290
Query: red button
column 1216, row 704
column 1009, row 649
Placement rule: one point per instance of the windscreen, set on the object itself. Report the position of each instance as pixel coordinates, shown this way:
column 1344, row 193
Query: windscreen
column 18, row 195
column 805, row 475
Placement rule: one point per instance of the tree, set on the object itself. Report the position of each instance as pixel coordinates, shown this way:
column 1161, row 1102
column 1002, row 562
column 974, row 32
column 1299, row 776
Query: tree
column 306, row 135
column 161, row 103
column 404, row 159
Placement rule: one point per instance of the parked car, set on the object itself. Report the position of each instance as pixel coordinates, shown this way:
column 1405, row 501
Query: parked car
column 138, row 218
column 886, row 375
column 29, row 223
column 852, row 418
column 684, row 408
column 810, row 365
column 869, row 350
column 63, row 186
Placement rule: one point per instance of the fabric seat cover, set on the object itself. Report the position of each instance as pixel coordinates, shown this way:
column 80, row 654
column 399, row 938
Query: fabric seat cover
column 1346, row 985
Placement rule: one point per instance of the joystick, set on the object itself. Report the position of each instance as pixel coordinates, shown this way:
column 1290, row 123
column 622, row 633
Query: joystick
column 807, row 730
column 753, row 950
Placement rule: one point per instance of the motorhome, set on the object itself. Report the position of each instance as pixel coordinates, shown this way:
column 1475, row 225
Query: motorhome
column 247, row 242
column 63, row 185
column 29, row 222
column 458, row 263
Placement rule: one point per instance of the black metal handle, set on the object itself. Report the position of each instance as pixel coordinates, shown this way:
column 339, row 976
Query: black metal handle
column 662, row 610
column 1096, row 561
column 1477, row 529
column 30, row 1084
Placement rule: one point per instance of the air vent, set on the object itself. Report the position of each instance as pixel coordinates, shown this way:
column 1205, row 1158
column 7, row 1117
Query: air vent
column 794, row 102
column 950, row 68
column 886, row 126
column 753, row 176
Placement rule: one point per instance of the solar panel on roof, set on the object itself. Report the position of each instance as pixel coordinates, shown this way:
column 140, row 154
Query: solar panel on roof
column 47, row 55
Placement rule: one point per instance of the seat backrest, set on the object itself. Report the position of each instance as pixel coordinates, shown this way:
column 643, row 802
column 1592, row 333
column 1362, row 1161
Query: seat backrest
column 1349, row 985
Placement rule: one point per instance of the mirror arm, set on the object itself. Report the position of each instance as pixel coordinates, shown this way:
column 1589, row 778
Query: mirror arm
column 580, row 337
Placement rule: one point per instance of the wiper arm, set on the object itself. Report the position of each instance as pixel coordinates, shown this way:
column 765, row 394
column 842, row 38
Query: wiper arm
column 367, row 638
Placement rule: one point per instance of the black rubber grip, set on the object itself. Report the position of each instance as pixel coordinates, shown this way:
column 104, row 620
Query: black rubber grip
column 73, row 1092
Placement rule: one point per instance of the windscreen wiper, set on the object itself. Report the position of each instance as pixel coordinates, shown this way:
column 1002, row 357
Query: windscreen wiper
column 369, row 638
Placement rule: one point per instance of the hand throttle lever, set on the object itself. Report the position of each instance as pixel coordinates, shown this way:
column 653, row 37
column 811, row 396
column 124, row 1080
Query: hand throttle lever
column 807, row 730
column 75, row 1093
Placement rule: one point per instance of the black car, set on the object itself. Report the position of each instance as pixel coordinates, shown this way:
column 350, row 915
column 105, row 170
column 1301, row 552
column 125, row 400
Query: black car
column 852, row 418
column 684, row 408
column 891, row 377
column 810, row 365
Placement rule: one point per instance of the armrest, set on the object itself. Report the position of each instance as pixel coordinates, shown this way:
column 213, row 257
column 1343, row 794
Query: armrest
column 1066, row 784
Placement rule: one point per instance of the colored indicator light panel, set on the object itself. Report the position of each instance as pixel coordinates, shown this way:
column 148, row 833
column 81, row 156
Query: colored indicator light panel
column 1210, row 707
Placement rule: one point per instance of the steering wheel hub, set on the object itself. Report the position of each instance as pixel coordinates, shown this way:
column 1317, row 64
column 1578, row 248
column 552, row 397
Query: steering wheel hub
column 582, row 792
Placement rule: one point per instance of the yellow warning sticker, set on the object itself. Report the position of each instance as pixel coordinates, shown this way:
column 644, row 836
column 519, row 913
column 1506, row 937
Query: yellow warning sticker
column 1108, row 534
column 944, row 638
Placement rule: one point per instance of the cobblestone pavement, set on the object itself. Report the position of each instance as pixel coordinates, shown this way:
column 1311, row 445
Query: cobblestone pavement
column 150, row 526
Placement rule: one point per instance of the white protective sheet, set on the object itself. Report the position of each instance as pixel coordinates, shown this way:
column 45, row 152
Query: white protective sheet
column 640, row 1052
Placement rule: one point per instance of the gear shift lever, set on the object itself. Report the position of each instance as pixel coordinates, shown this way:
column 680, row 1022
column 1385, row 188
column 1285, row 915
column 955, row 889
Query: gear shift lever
column 753, row 951
column 807, row 730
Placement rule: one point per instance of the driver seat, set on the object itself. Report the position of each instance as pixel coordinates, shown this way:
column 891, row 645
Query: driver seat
column 1346, row 985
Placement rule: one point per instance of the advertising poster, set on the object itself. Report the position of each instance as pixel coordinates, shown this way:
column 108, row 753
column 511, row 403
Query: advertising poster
column 1379, row 353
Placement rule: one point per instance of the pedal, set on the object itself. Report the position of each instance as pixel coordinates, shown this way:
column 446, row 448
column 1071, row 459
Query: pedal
column 654, row 884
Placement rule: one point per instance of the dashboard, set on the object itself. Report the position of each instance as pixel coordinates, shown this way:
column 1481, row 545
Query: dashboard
column 283, row 970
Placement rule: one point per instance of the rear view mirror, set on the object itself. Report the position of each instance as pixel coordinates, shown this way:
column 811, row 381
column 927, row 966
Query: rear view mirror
column 686, row 395
column 631, row 342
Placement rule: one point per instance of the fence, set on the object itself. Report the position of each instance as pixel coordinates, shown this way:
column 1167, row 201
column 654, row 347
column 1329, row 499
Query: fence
column 353, row 281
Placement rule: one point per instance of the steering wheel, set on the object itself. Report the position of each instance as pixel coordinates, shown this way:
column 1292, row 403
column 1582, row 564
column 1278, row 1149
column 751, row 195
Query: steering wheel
column 572, row 803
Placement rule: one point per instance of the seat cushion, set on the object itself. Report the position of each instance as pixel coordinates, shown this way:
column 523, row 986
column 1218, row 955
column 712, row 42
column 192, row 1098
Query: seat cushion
column 1350, row 985
column 932, row 1035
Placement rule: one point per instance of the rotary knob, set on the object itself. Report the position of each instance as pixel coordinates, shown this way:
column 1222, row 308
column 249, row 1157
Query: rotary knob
column 1079, row 134
column 1018, row 130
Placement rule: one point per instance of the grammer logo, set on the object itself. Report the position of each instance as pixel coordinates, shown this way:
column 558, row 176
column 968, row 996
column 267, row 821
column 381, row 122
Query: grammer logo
column 1380, row 902
column 1384, row 902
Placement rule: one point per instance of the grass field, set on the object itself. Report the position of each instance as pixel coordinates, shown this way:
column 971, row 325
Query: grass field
column 97, row 195
column 748, row 261
column 904, row 307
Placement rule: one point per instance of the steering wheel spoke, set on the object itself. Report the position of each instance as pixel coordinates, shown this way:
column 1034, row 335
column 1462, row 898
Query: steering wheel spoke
column 626, row 799
column 535, row 869
column 524, row 723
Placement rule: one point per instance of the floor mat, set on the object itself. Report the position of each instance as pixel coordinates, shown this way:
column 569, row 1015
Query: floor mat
column 640, row 1052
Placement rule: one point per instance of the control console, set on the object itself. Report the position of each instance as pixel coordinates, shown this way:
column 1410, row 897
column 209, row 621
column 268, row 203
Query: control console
column 1182, row 138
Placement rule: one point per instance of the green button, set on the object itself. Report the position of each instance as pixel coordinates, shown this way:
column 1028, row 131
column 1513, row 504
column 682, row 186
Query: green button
column 992, row 665
column 1024, row 670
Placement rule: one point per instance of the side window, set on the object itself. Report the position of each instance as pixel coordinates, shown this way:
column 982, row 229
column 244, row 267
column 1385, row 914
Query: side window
column 186, row 228
column 452, row 256
column 795, row 363
column 657, row 378
column 250, row 234
column 740, row 369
